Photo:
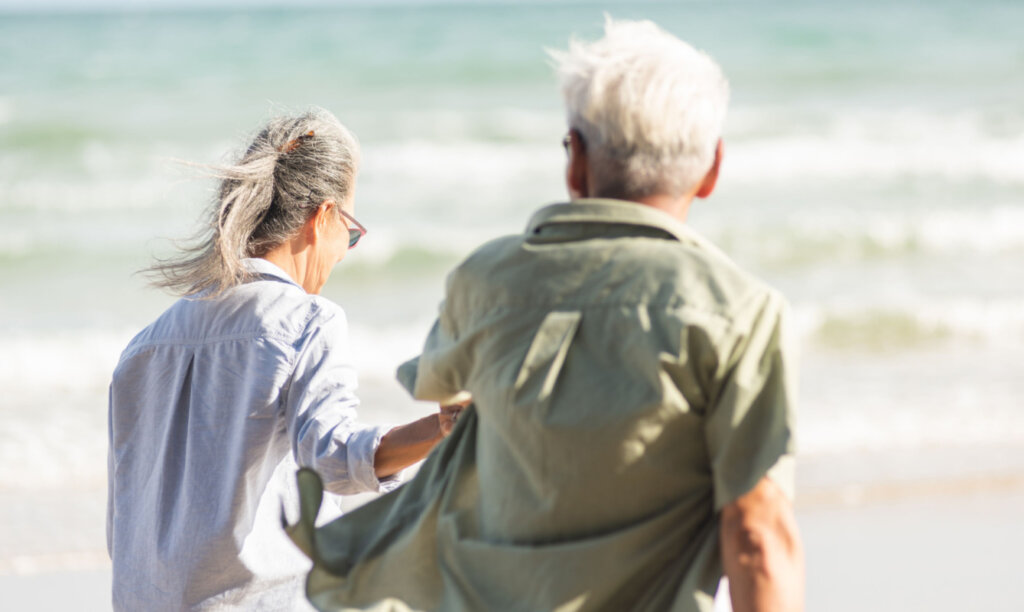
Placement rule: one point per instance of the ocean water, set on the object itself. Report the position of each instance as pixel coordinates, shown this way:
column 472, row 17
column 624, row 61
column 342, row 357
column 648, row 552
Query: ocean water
column 874, row 172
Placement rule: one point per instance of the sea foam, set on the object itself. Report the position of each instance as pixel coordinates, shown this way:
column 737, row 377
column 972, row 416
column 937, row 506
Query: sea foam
column 878, row 144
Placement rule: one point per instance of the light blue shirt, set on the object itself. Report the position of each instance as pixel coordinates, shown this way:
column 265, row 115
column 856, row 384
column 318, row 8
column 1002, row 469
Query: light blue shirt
column 211, row 406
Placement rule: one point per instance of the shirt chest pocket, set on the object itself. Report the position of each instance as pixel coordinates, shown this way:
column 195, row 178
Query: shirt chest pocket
column 545, row 357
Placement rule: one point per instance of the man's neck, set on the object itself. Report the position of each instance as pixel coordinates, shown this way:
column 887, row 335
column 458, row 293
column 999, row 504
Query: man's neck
column 677, row 206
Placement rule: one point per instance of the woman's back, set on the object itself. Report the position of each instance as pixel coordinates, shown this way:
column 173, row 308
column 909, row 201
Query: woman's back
column 200, row 419
column 209, row 404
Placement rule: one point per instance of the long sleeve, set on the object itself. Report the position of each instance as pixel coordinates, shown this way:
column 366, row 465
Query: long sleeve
column 320, row 411
column 110, row 476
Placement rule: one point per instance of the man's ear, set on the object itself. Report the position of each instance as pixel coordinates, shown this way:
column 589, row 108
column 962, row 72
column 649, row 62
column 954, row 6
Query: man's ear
column 711, row 178
column 576, row 172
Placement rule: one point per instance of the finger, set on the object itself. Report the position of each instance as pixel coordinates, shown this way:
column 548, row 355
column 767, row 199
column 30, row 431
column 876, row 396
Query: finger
column 452, row 409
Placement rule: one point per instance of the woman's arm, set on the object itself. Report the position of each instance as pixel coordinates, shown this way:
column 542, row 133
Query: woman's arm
column 406, row 444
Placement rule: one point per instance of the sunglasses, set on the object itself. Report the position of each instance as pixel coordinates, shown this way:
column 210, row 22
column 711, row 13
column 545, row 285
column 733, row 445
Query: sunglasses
column 354, row 233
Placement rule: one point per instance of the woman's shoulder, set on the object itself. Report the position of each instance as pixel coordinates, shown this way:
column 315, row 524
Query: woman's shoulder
column 259, row 310
column 291, row 313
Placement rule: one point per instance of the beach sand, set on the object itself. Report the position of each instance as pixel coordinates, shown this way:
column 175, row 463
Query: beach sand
column 905, row 542
column 933, row 553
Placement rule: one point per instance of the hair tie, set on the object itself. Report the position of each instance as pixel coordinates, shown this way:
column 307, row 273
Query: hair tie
column 309, row 198
column 294, row 143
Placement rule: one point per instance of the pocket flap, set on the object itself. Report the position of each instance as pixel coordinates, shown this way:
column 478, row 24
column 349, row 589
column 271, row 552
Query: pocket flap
column 546, row 355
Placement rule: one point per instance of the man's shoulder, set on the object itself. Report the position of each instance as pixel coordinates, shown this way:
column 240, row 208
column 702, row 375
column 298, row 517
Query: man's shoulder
column 492, row 254
column 699, row 263
column 690, row 270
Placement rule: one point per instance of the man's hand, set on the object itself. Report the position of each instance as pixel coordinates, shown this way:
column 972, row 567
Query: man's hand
column 448, row 414
column 761, row 551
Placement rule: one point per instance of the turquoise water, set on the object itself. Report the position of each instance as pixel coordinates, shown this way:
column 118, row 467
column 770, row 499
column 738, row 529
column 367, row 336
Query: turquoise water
column 874, row 172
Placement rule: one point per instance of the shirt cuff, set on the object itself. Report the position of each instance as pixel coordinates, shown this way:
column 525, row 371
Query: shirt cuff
column 362, row 446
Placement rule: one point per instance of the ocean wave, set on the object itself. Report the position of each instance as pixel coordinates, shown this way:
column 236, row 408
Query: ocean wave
column 78, row 361
column 54, row 430
column 881, row 330
column 85, row 194
column 470, row 182
column 765, row 147
column 60, row 361
column 819, row 236
column 506, row 148
column 963, row 396
column 762, row 145
column 829, row 158
column 81, row 360
column 426, row 230
column 811, row 239
column 378, row 350
column 769, row 147
column 880, row 327
column 6, row 110
column 877, row 377
column 848, row 430
column 55, row 138
column 496, row 125
column 99, row 175
column 454, row 178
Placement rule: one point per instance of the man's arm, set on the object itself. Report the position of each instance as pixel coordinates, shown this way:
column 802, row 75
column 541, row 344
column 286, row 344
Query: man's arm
column 761, row 551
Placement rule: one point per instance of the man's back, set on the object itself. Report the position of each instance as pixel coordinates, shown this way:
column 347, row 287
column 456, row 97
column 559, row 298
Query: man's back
column 628, row 382
column 606, row 346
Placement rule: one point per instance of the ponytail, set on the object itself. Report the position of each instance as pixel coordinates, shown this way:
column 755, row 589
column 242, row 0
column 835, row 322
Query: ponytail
column 291, row 166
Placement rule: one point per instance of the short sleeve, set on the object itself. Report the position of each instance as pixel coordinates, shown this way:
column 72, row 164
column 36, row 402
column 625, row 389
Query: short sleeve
column 438, row 374
column 749, row 427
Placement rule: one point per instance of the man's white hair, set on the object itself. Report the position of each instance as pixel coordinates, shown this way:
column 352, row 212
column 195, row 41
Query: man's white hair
column 650, row 108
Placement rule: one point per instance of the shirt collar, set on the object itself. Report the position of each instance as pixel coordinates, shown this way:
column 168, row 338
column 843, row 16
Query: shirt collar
column 613, row 212
column 258, row 266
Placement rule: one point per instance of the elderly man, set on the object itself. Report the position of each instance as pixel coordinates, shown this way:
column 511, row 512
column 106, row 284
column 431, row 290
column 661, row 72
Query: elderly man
column 631, row 430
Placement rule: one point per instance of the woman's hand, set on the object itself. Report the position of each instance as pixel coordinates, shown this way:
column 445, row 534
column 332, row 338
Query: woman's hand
column 448, row 414
column 409, row 443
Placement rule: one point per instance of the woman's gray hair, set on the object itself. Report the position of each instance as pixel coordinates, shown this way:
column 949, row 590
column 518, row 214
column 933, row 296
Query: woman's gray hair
column 293, row 164
column 650, row 108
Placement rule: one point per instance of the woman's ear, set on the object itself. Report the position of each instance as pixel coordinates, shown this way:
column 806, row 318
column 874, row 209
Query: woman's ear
column 318, row 221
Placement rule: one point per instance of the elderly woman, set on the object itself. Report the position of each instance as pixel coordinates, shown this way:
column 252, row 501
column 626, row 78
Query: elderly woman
column 249, row 367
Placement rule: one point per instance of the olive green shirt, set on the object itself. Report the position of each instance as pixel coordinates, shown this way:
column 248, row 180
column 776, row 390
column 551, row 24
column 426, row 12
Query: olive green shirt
column 628, row 381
